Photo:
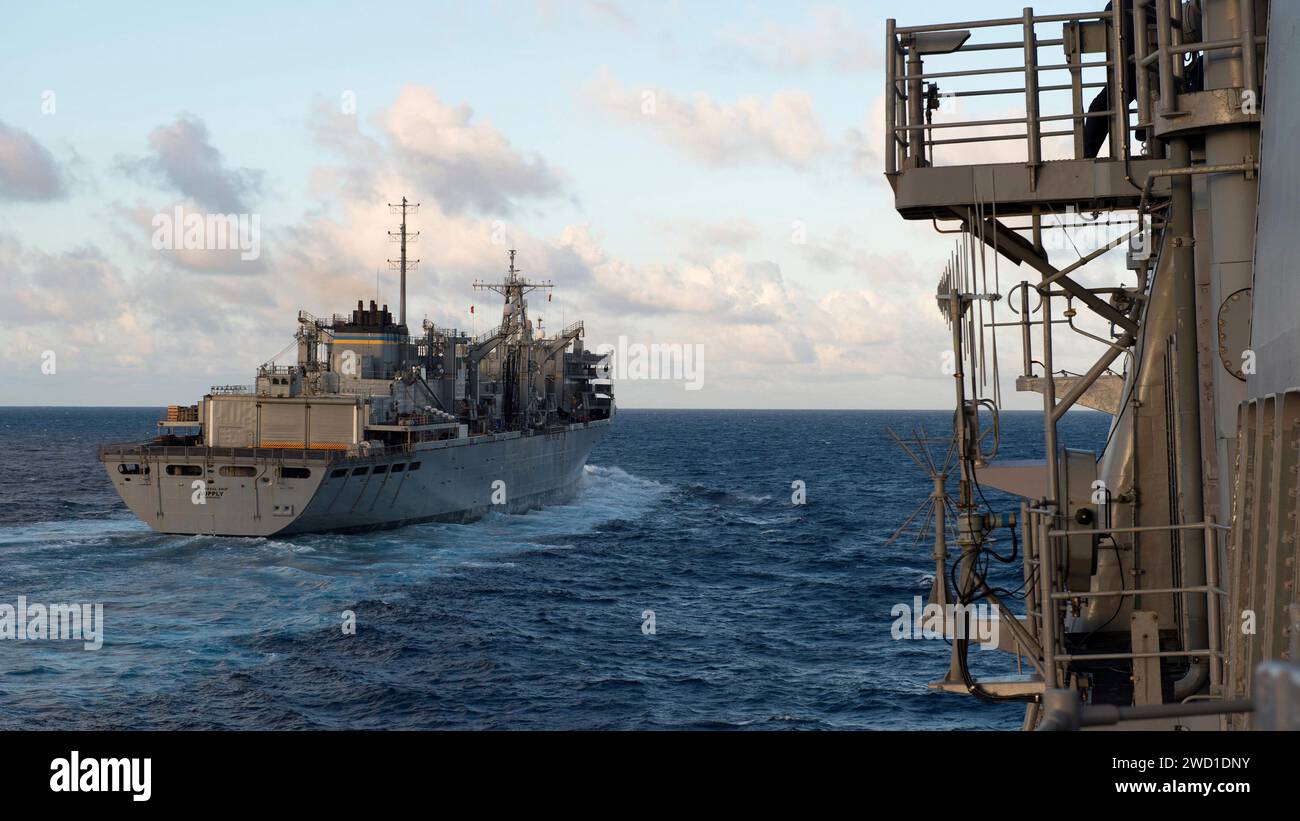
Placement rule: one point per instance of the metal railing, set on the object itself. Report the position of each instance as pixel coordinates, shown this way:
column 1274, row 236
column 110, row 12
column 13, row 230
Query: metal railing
column 433, row 329
column 1045, row 594
column 143, row 450
column 912, row 94
column 489, row 334
column 910, row 101
column 1167, row 58
column 1274, row 703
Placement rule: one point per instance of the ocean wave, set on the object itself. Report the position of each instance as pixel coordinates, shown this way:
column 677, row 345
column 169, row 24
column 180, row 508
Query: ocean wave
column 726, row 496
column 71, row 532
column 765, row 614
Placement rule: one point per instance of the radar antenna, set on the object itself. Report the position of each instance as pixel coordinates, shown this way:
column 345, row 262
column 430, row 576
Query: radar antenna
column 513, row 289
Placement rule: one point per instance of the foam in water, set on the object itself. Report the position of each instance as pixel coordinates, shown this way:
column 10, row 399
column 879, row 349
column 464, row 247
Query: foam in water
column 767, row 613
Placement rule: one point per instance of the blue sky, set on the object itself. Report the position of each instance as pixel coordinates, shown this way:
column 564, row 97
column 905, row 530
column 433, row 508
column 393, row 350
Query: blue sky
column 673, row 227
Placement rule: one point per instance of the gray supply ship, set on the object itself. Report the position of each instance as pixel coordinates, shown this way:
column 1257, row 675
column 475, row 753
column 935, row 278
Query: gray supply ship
column 375, row 427
column 1156, row 581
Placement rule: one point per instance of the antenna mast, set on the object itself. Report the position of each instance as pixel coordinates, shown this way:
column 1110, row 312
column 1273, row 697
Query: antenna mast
column 513, row 290
column 403, row 264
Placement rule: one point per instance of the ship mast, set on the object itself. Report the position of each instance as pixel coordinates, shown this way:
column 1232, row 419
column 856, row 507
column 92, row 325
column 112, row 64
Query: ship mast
column 402, row 263
column 518, row 366
column 513, row 289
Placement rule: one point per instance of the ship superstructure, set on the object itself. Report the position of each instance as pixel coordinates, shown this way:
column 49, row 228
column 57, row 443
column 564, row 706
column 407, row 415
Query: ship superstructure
column 373, row 426
column 1158, row 578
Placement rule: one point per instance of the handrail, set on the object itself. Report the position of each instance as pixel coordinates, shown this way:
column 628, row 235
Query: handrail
column 980, row 72
column 1005, row 121
column 909, row 89
column 1107, row 531
column 200, row 452
column 1004, row 21
column 908, row 128
column 1038, row 518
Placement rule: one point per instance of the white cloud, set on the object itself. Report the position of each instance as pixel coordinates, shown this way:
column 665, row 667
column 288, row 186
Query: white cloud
column 830, row 38
column 183, row 159
column 784, row 128
column 604, row 15
column 146, row 321
column 143, row 224
column 465, row 164
column 27, row 169
column 704, row 239
column 116, row 327
column 612, row 14
column 728, row 289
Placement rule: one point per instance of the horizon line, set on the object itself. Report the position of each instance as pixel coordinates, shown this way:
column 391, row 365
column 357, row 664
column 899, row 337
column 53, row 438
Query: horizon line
column 818, row 410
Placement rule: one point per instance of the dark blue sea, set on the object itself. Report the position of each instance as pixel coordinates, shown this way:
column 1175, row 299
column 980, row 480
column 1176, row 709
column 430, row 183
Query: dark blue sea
column 767, row 614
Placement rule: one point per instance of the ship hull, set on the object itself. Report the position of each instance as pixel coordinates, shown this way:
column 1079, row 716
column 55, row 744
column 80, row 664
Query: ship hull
column 260, row 493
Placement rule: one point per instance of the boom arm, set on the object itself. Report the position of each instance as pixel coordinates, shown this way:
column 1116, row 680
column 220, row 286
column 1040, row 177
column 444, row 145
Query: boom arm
column 561, row 342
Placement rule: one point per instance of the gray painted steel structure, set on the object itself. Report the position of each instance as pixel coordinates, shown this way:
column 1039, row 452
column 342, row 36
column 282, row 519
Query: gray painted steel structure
column 373, row 428
column 1144, row 559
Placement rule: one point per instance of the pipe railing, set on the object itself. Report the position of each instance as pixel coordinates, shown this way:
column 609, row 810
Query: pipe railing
column 1039, row 521
column 909, row 125
column 908, row 129
column 145, row 450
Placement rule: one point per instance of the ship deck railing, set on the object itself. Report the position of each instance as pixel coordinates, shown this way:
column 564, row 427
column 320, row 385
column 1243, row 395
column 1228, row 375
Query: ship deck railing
column 431, row 328
column 1041, row 558
column 928, row 153
column 309, row 319
column 198, row 452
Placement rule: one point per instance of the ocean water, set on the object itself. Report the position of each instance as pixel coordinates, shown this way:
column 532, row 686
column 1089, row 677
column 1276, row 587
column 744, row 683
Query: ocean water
column 767, row 614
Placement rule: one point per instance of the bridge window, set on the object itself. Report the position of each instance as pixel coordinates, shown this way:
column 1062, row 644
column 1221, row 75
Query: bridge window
column 184, row 470
column 399, row 468
column 339, row 474
column 237, row 470
column 360, row 471
column 295, row 473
